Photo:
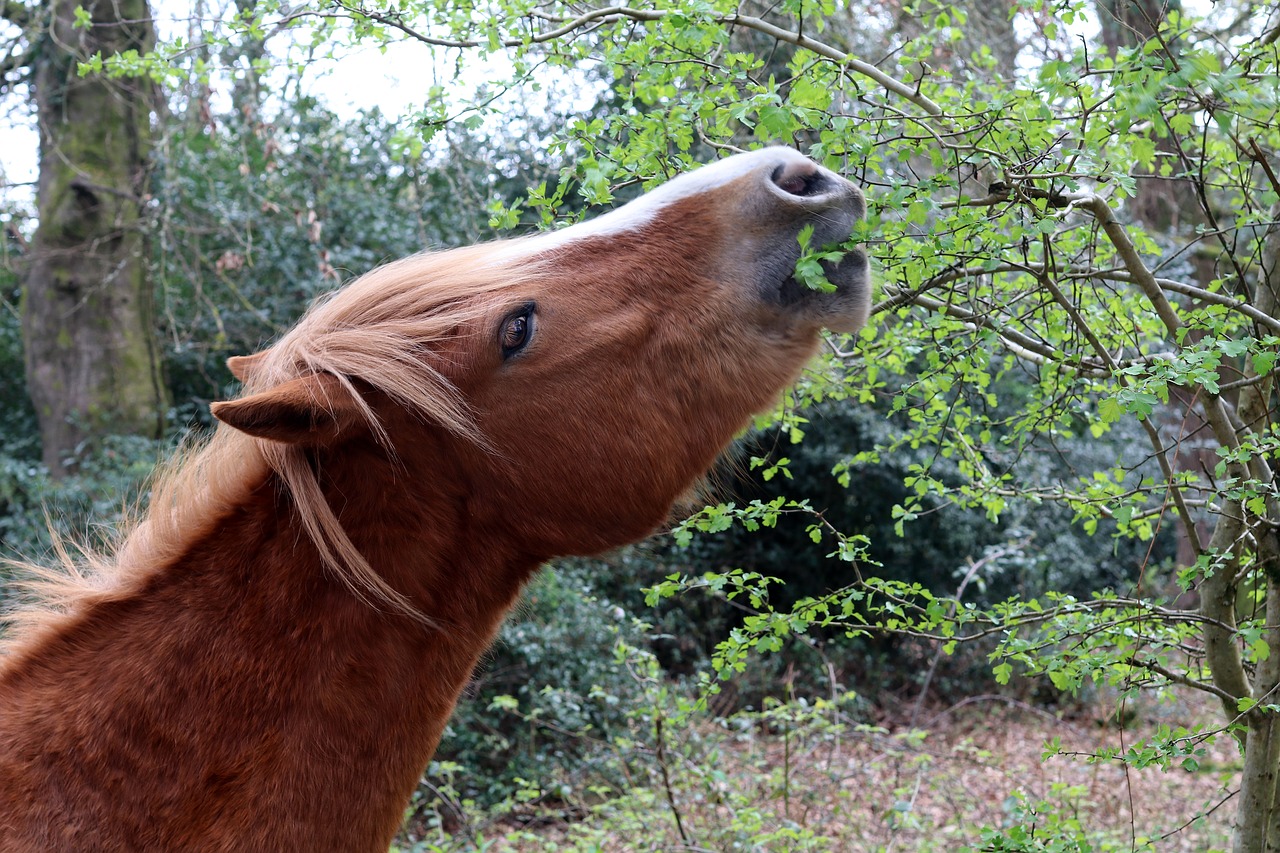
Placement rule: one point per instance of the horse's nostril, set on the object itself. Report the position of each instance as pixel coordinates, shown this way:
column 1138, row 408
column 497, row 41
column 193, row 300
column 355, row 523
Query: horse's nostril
column 795, row 185
column 800, row 181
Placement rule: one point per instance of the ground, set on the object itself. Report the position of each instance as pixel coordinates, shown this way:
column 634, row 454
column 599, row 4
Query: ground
column 978, row 775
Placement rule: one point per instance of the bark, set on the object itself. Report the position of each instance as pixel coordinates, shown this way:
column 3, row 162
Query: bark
column 91, row 356
column 1268, row 294
column 1255, row 814
column 1161, row 203
column 1218, row 604
column 1257, row 828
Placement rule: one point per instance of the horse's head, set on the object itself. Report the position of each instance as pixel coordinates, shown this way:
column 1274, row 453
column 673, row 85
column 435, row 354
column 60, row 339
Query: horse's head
column 571, row 386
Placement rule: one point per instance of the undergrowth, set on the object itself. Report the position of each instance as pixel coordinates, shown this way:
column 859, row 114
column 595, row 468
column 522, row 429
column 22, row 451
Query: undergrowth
column 817, row 773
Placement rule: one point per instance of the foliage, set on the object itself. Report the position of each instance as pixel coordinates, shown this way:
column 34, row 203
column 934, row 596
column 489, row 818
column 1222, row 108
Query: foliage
column 262, row 215
column 1032, row 549
column 84, row 507
column 18, row 427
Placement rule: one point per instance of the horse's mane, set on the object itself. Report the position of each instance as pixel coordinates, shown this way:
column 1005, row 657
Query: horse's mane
column 377, row 331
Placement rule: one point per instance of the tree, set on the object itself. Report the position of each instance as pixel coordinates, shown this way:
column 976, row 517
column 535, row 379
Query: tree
column 90, row 350
column 1014, row 247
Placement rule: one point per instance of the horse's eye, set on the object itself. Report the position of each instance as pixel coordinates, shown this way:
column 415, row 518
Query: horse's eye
column 516, row 331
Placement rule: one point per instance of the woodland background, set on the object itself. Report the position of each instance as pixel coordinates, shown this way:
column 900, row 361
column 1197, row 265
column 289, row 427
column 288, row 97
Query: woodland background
column 1002, row 573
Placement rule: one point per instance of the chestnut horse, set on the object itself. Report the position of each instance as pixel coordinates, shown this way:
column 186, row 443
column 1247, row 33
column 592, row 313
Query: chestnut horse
column 268, row 659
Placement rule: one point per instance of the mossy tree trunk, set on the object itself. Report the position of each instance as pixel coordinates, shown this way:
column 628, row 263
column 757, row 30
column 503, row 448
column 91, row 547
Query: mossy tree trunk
column 91, row 356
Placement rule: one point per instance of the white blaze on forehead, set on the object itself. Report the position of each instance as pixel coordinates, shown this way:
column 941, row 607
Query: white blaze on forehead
column 642, row 210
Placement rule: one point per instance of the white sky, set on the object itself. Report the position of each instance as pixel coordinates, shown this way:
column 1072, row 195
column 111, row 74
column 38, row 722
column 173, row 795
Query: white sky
column 17, row 152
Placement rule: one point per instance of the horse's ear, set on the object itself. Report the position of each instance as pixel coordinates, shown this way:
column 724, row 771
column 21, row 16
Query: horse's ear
column 313, row 411
column 243, row 366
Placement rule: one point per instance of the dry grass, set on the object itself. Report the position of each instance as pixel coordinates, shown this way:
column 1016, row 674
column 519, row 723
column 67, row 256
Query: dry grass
column 813, row 784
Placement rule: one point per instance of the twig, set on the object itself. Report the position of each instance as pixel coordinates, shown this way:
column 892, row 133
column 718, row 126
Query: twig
column 666, row 780
column 974, row 568
column 1185, row 681
column 1261, row 159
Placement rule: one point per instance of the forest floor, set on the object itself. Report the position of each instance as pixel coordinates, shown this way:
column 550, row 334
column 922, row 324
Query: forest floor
column 960, row 775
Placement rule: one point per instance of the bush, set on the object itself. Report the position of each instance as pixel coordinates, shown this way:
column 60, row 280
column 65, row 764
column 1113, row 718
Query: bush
column 1031, row 549
column 548, row 697
column 266, row 214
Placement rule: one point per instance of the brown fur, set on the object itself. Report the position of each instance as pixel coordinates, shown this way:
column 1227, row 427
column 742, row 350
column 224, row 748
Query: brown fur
column 269, row 658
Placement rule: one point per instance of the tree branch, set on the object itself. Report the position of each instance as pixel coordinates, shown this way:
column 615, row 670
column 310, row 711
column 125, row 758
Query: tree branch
column 1218, row 604
column 1157, row 446
column 1228, row 701
column 1208, row 296
column 609, row 14
column 1119, row 237
column 14, row 62
column 894, row 85
column 1020, row 344
column 903, row 297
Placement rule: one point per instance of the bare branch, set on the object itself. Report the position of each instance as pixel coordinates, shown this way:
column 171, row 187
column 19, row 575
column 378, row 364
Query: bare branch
column 1228, row 701
column 1201, row 294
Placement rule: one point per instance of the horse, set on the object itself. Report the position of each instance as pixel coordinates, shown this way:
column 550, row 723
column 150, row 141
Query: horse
column 269, row 656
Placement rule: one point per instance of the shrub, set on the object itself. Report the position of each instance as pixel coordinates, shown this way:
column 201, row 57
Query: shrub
column 548, row 697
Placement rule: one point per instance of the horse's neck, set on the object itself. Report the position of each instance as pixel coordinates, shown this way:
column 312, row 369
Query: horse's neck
column 243, row 693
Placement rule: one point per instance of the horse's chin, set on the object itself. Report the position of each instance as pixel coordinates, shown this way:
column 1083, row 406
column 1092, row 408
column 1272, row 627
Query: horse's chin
column 843, row 310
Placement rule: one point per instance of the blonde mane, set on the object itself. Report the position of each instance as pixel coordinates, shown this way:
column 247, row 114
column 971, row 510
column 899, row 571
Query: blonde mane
column 378, row 330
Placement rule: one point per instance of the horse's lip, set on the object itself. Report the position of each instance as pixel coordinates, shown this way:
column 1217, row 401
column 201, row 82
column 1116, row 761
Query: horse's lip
column 850, row 275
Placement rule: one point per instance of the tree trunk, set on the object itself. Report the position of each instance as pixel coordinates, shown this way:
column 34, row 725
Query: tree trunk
column 1161, row 203
column 1257, row 824
column 988, row 24
column 91, row 356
